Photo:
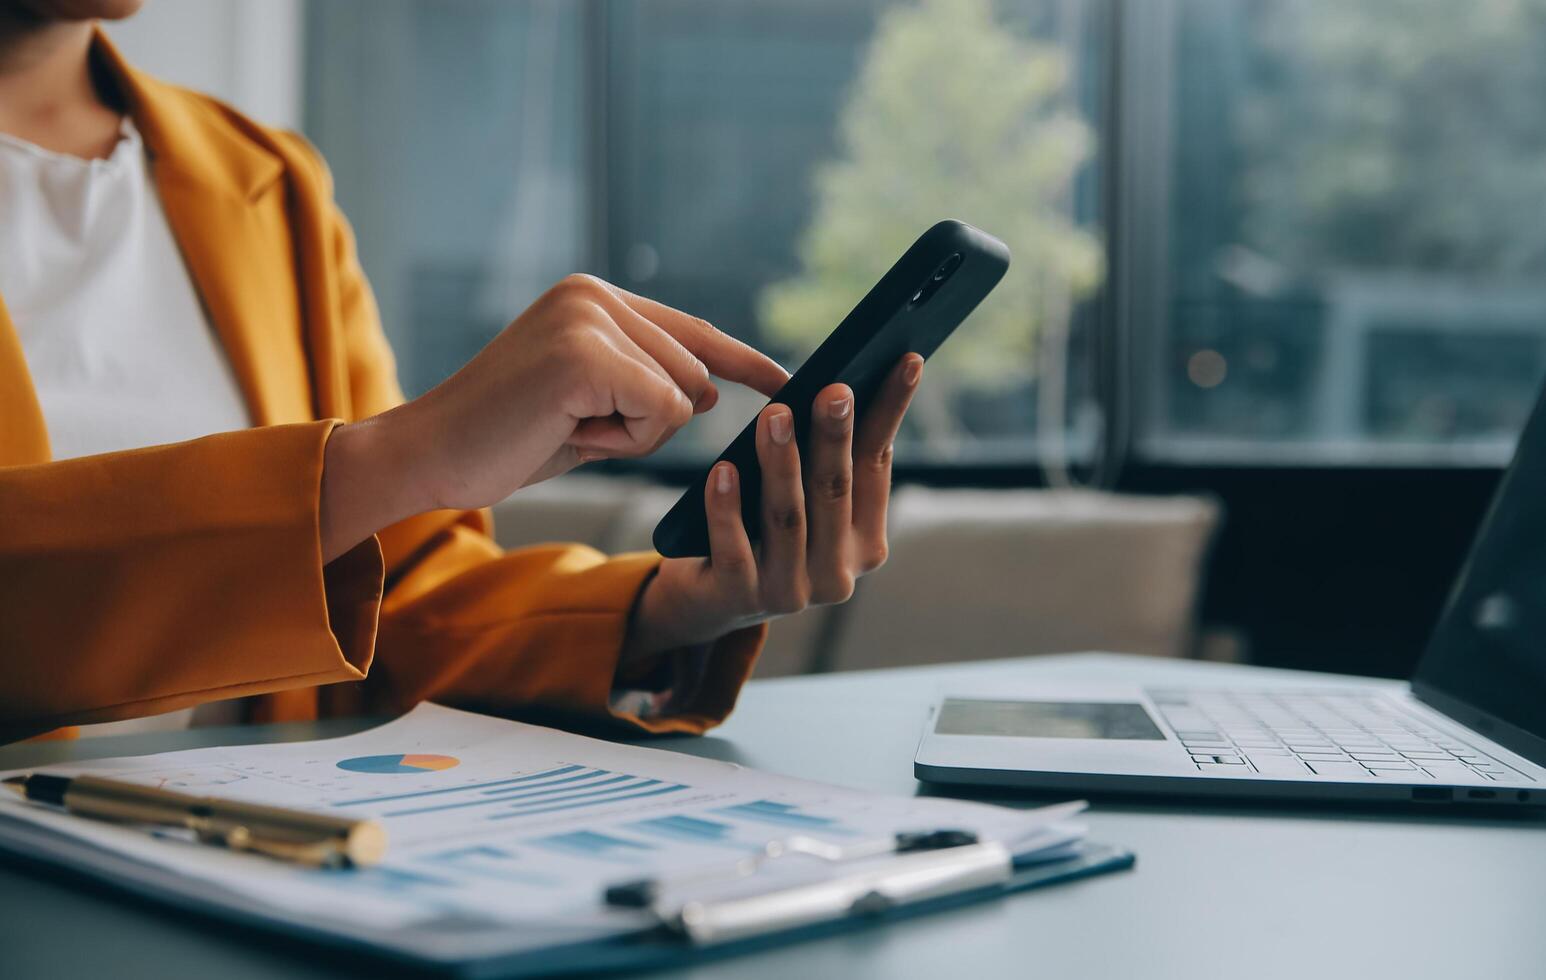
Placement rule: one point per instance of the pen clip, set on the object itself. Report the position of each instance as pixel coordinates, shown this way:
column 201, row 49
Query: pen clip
column 904, row 879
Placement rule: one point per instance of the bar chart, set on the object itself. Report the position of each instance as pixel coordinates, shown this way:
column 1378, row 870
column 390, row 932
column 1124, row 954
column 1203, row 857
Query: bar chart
column 784, row 815
column 596, row 845
column 490, row 862
column 696, row 830
column 567, row 787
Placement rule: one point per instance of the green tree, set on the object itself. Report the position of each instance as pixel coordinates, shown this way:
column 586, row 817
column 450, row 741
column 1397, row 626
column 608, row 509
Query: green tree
column 952, row 115
column 1397, row 134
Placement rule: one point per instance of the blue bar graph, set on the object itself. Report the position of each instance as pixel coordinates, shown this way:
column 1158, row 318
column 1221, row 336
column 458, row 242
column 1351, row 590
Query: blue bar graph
column 465, row 853
column 487, row 861
column 550, row 788
column 611, row 789
column 593, row 844
column 591, row 781
column 694, row 830
column 783, row 815
column 602, row 798
column 527, row 787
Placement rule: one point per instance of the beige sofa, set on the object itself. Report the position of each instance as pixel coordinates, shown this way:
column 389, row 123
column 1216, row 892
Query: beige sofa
column 973, row 574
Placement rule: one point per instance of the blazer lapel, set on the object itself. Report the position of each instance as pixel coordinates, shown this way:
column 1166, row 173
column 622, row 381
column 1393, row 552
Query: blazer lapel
column 223, row 198
column 23, row 436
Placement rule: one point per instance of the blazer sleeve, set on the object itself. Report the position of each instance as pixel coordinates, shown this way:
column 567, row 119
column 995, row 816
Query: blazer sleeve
column 533, row 630
column 145, row 581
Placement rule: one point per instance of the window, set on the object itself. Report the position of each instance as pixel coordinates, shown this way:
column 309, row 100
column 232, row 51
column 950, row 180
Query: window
column 457, row 137
column 1288, row 252
column 1355, row 249
column 737, row 160
column 1246, row 232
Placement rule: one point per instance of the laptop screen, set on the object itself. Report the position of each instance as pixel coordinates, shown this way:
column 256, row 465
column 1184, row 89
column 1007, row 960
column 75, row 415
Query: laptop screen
column 1488, row 652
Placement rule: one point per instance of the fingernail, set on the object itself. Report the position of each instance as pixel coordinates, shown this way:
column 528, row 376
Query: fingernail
column 779, row 428
column 913, row 373
column 589, row 457
column 841, row 408
column 723, row 478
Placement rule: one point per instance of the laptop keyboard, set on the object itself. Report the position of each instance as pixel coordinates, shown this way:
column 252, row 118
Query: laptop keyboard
column 1334, row 734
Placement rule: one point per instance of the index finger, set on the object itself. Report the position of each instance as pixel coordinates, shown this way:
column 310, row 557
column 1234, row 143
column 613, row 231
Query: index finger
column 721, row 353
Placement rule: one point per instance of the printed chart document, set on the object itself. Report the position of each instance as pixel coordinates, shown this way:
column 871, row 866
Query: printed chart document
column 495, row 828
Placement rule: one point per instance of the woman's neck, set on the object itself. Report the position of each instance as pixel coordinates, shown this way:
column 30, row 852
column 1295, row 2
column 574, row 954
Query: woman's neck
column 47, row 93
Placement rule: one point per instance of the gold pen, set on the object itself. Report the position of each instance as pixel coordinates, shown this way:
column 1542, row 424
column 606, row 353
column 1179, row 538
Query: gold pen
column 312, row 839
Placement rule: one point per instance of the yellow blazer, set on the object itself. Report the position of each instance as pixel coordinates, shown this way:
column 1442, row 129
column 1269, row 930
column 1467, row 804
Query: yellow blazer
column 139, row 582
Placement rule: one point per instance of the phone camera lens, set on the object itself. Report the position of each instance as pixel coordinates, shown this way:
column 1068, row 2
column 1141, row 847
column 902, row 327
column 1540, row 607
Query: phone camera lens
column 947, row 267
column 932, row 284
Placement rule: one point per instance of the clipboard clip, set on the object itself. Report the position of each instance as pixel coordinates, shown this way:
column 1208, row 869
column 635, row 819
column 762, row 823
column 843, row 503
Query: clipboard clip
column 888, row 875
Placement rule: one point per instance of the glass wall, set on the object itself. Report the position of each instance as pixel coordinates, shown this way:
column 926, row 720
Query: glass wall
column 758, row 162
column 1357, row 260
column 456, row 134
column 1315, row 222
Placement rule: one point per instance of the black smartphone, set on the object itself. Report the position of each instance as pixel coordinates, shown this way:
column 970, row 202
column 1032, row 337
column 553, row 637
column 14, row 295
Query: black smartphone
column 917, row 304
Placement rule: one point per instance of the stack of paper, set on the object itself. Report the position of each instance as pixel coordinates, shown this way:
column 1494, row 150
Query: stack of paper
column 494, row 823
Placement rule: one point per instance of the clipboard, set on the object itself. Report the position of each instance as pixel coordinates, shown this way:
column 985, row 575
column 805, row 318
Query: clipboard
column 477, row 952
column 510, row 849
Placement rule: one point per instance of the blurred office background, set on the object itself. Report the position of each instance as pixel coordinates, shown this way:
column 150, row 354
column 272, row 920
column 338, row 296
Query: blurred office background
column 1278, row 286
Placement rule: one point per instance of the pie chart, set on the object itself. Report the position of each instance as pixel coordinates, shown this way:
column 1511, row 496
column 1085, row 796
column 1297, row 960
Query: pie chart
column 390, row 764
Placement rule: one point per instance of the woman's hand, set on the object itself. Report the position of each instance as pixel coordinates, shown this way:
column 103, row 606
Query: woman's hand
column 589, row 371
column 823, row 523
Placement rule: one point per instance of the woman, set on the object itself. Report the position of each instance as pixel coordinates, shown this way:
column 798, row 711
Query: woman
column 211, row 488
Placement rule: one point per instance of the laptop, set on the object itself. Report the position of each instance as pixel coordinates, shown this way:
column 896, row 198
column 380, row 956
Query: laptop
column 1469, row 727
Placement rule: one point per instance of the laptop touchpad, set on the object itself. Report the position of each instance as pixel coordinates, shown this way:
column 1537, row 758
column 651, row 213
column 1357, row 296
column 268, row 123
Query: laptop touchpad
column 1047, row 719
